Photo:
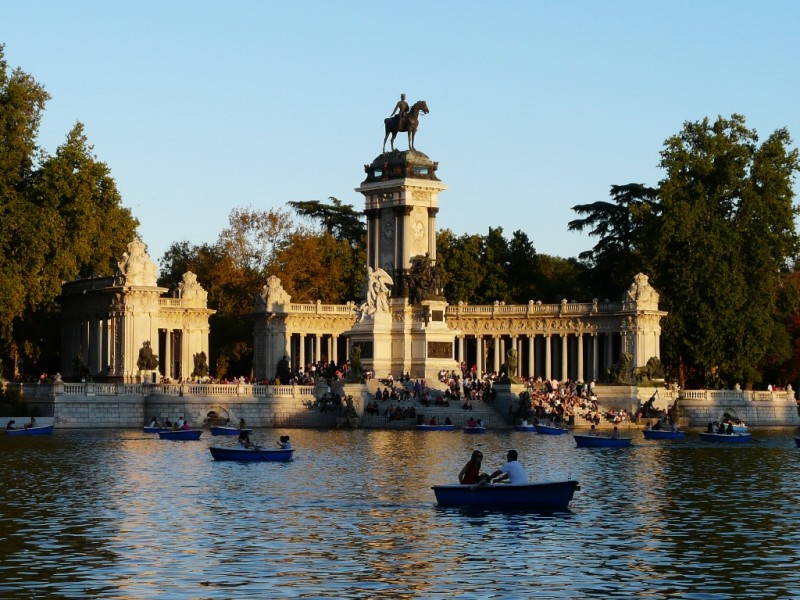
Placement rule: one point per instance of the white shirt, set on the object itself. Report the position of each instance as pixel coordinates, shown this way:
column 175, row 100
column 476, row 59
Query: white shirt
column 516, row 472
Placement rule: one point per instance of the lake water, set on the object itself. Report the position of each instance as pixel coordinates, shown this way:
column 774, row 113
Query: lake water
column 122, row 514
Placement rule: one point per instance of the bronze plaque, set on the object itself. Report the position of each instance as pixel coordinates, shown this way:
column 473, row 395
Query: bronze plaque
column 440, row 349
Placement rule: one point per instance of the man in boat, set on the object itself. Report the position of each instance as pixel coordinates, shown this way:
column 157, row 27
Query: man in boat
column 284, row 443
column 10, row 424
column 471, row 473
column 513, row 471
column 31, row 424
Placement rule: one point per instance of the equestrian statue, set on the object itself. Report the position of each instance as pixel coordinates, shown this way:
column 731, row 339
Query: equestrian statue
column 405, row 120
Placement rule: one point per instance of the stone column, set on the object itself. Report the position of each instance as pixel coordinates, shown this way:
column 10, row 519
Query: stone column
column 168, row 353
column 594, row 356
column 432, row 210
column 531, row 356
column 581, row 376
column 564, row 356
column 302, row 356
column 317, row 347
column 335, row 348
column 548, row 360
column 479, row 354
column 461, row 350
column 496, row 344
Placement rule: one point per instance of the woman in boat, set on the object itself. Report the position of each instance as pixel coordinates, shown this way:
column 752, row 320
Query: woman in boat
column 10, row 424
column 471, row 473
column 284, row 443
column 31, row 424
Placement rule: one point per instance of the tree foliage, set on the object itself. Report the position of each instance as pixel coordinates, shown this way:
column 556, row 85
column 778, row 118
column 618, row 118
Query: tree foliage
column 620, row 227
column 337, row 219
column 720, row 249
column 62, row 218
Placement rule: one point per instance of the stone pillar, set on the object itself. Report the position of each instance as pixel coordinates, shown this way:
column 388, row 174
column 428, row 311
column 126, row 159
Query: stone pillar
column 531, row 356
column 479, row 354
column 496, row 344
column 168, row 353
column 302, row 356
column 581, row 376
column 595, row 346
column 461, row 357
column 432, row 231
column 564, row 356
column 335, row 348
column 548, row 360
column 318, row 348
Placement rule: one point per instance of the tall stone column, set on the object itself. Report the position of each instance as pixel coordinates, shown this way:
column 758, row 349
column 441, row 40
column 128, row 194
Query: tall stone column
column 168, row 353
column 581, row 376
column 548, row 357
column 564, row 356
column 594, row 357
column 531, row 356
column 432, row 211
column 302, row 356
column 496, row 353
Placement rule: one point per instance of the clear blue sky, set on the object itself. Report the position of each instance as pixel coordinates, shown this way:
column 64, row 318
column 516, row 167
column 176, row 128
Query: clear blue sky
column 201, row 106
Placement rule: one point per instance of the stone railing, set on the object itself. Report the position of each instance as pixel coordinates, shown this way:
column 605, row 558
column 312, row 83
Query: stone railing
column 728, row 395
column 534, row 309
column 164, row 389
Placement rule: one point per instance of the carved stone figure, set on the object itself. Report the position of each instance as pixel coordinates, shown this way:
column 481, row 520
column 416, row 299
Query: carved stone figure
column 192, row 292
column 652, row 370
column 618, row 372
column 136, row 267
column 147, row 360
column 409, row 124
column 641, row 294
column 376, row 293
column 356, row 369
column 200, row 365
column 272, row 293
column 424, row 279
column 508, row 369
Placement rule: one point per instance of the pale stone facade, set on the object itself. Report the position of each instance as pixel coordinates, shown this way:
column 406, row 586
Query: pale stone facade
column 108, row 321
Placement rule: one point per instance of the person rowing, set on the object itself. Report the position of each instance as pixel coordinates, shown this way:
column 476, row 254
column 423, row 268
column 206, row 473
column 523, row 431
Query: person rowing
column 513, row 471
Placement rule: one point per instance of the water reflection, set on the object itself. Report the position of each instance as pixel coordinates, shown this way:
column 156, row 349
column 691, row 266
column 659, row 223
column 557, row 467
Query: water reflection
column 124, row 514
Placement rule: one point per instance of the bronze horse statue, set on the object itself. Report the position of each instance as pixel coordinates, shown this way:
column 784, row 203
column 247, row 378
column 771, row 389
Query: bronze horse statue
column 393, row 125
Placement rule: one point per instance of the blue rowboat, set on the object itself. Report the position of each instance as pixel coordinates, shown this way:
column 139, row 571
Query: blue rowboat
column 43, row 430
column 601, row 441
column 251, row 454
column 663, row 434
column 725, row 438
column 180, row 434
column 476, row 429
column 436, row 427
column 545, row 496
column 527, row 428
column 148, row 429
column 550, row 429
column 222, row 430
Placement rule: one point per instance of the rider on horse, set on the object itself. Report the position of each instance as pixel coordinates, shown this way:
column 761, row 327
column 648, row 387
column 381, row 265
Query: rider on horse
column 402, row 109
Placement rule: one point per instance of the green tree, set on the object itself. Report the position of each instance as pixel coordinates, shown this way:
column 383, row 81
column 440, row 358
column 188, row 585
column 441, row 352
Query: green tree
column 340, row 220
column 720, row 251
column 62, row 218
column 461, row 259
column 620, row 227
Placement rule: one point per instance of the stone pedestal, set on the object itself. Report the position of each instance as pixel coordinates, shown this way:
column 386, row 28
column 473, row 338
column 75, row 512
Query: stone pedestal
column 507, row 397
